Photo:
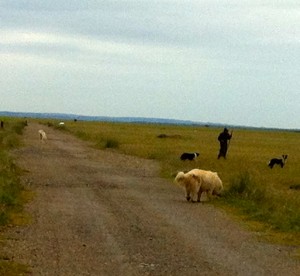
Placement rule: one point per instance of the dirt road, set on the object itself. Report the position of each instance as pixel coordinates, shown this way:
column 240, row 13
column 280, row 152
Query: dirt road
column 103, row 213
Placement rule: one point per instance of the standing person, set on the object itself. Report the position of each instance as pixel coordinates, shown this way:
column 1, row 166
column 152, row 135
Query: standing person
column 223, row 138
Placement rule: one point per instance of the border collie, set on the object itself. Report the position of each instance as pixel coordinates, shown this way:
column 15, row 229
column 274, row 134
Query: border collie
column 189, row 156
column 278, row 161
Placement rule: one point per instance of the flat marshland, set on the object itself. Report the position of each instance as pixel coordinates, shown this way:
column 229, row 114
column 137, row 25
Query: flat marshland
column 270, row 197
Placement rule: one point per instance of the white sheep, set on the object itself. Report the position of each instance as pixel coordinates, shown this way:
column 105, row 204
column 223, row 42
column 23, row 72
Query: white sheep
column 42, row 135
column 198, row 181
column 190, row 183
column 210, row 182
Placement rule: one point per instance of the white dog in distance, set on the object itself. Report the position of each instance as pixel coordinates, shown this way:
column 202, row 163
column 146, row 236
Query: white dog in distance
column 43, row 136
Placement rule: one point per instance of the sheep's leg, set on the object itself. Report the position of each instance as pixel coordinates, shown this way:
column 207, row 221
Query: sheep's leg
column 199, row 196
column 188, row 197
column 192, row 197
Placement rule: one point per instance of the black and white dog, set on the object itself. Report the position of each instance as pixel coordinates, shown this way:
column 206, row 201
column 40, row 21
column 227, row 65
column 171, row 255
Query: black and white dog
column 189, row 156
column 278, row 161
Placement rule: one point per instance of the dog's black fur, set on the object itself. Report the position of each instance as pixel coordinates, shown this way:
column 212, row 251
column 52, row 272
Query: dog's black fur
column 189, row 156
column 278, row 161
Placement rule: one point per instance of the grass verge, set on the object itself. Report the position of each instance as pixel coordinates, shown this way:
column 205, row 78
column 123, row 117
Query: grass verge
column 261, row 204
column 12, row 193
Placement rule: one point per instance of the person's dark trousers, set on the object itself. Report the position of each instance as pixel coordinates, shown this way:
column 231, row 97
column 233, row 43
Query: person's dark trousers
column 223, row 150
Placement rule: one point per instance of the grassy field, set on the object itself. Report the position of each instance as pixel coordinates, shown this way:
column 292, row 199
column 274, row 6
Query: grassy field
column 269, row 198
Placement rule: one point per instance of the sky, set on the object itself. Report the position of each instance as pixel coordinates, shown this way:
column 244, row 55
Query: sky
column 226, row 61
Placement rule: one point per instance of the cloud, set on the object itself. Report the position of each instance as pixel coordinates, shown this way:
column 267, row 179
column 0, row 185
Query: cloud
column 153, row 58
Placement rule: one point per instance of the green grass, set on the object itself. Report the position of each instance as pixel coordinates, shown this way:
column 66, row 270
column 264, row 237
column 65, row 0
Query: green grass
column 252, row 189
column 260, row 203
column 10, row 187
column 9, row 268
column 12, row 193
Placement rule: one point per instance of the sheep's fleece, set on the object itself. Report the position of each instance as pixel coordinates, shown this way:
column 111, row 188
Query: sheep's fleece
column 197, row 181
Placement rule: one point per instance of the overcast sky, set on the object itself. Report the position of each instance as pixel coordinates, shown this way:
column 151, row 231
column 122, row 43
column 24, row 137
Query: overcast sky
column 226, row 61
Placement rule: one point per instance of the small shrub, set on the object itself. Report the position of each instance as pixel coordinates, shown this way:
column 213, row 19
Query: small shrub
column 105, row 143
column 245, row 187
column 240, row 185
column 111, row 143
column 19, row 127
column 9, row 190
column 3, row 217
column 11, row 141
column 82, row 135
column 60, row 127
column 295, row 186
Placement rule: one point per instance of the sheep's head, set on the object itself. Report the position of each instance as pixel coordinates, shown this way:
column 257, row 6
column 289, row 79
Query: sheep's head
column 180, row 177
